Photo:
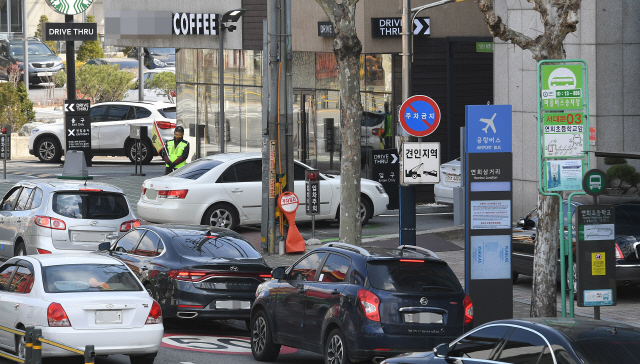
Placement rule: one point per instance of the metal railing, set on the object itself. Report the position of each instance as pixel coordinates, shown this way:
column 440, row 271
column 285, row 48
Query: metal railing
column 33, row 347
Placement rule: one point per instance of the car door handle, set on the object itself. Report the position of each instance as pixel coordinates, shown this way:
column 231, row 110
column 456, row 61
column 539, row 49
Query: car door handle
column 237, row 190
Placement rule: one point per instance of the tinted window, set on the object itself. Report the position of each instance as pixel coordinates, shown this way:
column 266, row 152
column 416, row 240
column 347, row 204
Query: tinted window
column 480, row 344
column 118, row 112
column 99, row 113
column 34, row 49
column 89, row 278
column 160, row 247
column 250, row 171
column 399, row 276
column 22, row 281
column 127, row 243
column 306, row 269
column 228, row 176
column 35, row 200
column 627, row 217
column 148, row 245
column 522, row 347
column 23, row 200
column 141, row 113
column 334, row 269
column 5, row 274
column 604, row 345
column 90, row 205
column 162, row 51
column 214, row 247
column 10, row 199
column 196, row 169
column 168, row 112
column 298, row 172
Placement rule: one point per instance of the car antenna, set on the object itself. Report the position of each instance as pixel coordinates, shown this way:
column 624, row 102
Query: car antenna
column 85, row 183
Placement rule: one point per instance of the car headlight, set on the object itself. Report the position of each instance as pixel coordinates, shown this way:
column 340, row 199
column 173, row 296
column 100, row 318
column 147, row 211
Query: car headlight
column 380, row 189
column 57, row 63
column 158, row 62
column 35, row 130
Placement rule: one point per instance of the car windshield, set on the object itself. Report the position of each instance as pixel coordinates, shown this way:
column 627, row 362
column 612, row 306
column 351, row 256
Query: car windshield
column 125, row 64
column 168, row 112
column 627, row 217
column 90, row 205
column 162, row 51
column 196, row 169
column 34, row 49
column 89, row 278
column 406, row 277
column 605, row 345
column 214, row 247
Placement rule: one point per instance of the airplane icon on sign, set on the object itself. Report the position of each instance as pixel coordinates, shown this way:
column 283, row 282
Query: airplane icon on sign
column 489, row 123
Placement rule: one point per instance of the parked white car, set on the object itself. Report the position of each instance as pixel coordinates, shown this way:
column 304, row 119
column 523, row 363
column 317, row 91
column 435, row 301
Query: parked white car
column 450, row 174
column 110, row 130
column 151, row 94
column 78, row 300
column 225, row 190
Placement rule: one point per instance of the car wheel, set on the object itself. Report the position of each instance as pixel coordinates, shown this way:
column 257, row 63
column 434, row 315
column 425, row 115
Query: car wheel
column 221, row 215
column 142, row 359
column 335, row 349
column 514, row 276
column 49, row 150
column 20, row 249
column 21, row 346
column 366, row 210
column 262, row 346
column 146, row 151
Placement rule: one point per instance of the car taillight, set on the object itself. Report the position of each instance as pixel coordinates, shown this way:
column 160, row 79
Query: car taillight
column 49, row 222
column 165, row 125
column 187, row 275
column 177, row 193
column 468, row 310
column 619, row 254
column 128, row 225
column 377, row 131
column 155, row 315
column 91, row 189
column 370, row 304
column 411, row 261
column 42, row 251
column 144, row 190
column 56, row 316
column 172, row 93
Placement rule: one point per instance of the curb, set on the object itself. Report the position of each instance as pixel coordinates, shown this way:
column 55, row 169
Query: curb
column 448, row 233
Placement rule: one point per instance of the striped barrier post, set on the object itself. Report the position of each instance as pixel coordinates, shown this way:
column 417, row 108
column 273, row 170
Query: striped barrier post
column 89, row 354
column 36, row 354
column 28, row 352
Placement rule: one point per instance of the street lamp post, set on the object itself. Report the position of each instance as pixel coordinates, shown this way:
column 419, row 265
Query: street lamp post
column 230, row 16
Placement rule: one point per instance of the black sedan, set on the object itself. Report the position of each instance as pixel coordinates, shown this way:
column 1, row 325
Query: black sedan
column 194, row 271
column 537, row 341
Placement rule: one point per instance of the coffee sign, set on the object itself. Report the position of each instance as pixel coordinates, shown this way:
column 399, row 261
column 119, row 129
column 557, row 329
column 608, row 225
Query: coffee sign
column 195, row 23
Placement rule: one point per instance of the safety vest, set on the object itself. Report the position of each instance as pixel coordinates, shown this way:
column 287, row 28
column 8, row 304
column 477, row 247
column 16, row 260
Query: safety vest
column 176, row 151
column 388, row 125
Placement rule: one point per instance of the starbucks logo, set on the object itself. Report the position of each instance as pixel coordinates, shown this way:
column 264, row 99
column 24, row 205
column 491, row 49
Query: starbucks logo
column 69, row 7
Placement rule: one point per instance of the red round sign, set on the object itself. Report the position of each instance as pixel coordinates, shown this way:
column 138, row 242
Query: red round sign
column 419, row 115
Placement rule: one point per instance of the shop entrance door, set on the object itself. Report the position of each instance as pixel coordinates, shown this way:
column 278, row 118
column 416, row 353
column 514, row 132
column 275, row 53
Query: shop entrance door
column 305, row 141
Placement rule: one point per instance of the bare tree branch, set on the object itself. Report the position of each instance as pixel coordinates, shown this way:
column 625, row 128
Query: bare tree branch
column 330, row 8
column 500, row 30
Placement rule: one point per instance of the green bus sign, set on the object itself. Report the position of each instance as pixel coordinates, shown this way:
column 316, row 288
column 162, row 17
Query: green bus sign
column 594, row 182
column 562, row 87
column 484, row 47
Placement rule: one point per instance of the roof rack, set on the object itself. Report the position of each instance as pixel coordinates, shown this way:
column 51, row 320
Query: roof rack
column 347, row 247
column 417, row 248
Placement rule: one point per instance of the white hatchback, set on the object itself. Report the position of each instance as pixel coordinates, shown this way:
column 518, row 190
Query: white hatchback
column 225, row 190
column 79, row 300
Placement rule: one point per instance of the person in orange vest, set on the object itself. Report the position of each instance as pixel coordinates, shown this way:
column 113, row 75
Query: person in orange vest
column 177, row 151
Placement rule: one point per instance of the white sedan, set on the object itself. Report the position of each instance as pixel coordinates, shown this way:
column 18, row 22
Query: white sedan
column 225, row 190
column 78, row 300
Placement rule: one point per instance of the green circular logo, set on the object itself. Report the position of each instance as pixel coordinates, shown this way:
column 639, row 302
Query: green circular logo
column 69, row 7
column 594, row 182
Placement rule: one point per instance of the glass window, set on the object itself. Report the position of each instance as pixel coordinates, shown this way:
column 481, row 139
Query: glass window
column 327, row 71
column 602, row 346
column 142, row 112
column 208, row 66
column 306, row 269
column 127, row 243
column 23, row 200
column 10, row 199
column 480, row 344
column 228, row 176
column 90, row 205
column 396, row 276
column 335, row 269
column 196, row 169
column 298, row 172
column 148, row 244
column 89, row 278
column 35, row 200
column 162, row 51
column 328, row 134
column 186, row 65
column 22, row 281
column 35, row 48
column 160, row 247
column 167, row 112
column 99, row 113
column 250, row 171
column 522, row 347
column 118, row 112
column 215, row 246
column 5, row 275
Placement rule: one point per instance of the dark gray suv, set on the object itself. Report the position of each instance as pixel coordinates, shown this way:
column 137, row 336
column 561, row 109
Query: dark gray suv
column 43, row 62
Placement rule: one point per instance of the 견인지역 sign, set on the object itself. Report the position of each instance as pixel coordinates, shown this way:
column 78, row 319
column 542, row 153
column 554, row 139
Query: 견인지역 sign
column 562, row 87
column 419, row 115
column 420, row 162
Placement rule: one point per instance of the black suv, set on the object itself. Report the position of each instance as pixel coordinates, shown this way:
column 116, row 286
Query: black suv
column 352, row 304
column 43, row 62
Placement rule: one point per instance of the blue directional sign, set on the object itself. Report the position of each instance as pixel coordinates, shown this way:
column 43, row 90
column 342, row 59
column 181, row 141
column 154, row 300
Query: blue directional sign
column 488, row 128
column 419, row 115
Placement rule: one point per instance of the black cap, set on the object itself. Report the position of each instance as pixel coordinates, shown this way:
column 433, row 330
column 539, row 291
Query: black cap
column 179, row 129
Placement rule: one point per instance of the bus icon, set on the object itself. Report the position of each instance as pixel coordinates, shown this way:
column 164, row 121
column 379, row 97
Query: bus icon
column 562, row 81
column 595, row 182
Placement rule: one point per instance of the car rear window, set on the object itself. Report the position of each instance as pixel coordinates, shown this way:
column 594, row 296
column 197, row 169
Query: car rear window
column 195, row 170
column 168, row 112
column 89, row 278
column 405, row 277
column 605, row 345
column 214, row 247
column 90, row 205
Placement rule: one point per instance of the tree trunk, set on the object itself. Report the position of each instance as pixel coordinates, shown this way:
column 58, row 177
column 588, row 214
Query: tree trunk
column 543, row 293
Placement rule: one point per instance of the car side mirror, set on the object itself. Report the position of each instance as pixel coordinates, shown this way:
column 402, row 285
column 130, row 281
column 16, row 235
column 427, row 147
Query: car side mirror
column 442, row 350
column 104, row 247
column 520, row 222
column 278, row 273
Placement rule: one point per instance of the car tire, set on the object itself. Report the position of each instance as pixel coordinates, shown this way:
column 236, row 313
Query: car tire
column 514, row 276
column 142, row 359
column 262, row 346
column 20, row 249
column 366, row 210
column 21, row 346
column 49, row 150
column 335, row 349
column 221, row 215
column 146, row 154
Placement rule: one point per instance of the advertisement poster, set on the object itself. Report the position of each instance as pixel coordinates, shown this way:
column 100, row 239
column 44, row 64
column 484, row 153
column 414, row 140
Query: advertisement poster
column 491, row 257
column 495, row 214
column 564, row 175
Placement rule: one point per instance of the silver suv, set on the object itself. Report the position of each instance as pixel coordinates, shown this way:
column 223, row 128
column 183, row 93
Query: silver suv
column 62, row 216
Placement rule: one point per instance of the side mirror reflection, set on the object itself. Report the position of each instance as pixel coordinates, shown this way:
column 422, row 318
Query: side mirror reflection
column 442, row 350
column 278, row 273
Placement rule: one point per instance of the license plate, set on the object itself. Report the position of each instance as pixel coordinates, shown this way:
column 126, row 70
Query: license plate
column 423, row 318
column 108, row 317
column 88, row 237
column 452, row 178
column 151, row 194
column 41, row 74
column 233, row 305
